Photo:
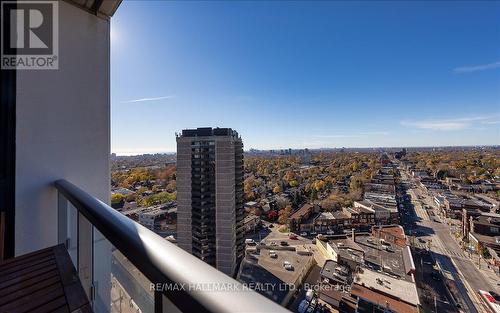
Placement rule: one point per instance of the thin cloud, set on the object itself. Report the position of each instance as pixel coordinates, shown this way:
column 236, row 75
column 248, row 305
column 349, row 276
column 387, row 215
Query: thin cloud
column 376, row 133
column 490, row 122
column 355, row 135
column 338, row 136
column 476, row 68
column 150, row 99
column 449, row 124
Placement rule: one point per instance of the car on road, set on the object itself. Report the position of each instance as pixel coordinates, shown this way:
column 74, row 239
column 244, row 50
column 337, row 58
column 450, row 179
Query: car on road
column 292, row 236
column 284, row 243
column 270, row 226
column 273, row 243
column 250, row 242
column 421, row 240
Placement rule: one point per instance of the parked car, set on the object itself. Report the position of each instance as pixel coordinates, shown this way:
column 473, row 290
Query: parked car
column 303, row 234
column 303, row 306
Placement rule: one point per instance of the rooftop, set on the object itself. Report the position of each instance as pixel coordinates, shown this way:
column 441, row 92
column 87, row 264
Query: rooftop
column 381, row 300
column 269, row 273
column 399, row 289
column 335, row 272
column 304, row 210
column 208, row 132
column 379, row 258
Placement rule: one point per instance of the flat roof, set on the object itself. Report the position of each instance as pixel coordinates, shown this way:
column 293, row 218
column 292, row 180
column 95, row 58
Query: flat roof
column 381, row 300
column 335, row 272
column 395, row 230
column 391, row 262
column 397, row 288
column 270, row 273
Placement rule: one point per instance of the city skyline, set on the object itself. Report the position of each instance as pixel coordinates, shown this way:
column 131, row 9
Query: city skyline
column 321, row 75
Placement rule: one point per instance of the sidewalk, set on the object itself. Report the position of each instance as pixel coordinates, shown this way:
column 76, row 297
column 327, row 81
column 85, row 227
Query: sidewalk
column 490, row 275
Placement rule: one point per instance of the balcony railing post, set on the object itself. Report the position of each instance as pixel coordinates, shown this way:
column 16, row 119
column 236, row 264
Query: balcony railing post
column 158, row 302
column 62, row 219
column 85, row 235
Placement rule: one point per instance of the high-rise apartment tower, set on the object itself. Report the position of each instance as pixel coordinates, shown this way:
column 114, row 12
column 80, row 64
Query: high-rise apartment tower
column 210, row 196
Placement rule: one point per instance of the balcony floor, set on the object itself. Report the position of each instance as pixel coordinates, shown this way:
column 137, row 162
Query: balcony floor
column 41, row 281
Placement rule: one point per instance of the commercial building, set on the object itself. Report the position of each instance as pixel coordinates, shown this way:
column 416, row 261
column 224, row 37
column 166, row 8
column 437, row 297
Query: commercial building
column 210, row 195
column 481, row 232
column 374, row 272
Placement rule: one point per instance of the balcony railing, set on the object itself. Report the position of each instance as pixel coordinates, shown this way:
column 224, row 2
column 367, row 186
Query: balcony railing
column 162, row 262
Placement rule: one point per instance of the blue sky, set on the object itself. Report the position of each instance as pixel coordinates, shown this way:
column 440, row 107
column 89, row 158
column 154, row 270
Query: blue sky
column 306, row 74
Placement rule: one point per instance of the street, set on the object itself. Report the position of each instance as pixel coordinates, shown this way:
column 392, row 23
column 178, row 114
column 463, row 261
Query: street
column 431, row 233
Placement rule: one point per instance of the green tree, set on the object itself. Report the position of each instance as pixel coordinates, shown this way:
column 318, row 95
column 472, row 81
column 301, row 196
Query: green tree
column 117, row 200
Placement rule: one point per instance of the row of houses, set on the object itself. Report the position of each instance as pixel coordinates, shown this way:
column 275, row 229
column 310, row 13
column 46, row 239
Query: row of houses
column 379, row 207
column 158, row 218
column 483, row 186
column 452, row 205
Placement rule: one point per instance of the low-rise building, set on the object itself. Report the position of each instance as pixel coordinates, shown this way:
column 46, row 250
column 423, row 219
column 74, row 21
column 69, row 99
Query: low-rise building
column 360, row 216
column 250, row 223
column 153, row 217
column 301, row 220
column 374, row 271
column 481, row 232
column 276, row 274
column 393, row 234
column 453, row 205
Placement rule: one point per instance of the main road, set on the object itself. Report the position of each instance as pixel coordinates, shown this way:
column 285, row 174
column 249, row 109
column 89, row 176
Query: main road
column 447, row 252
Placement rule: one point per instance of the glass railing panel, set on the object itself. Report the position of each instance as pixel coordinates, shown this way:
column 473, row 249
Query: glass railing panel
column 119, row 286
column 72, row 233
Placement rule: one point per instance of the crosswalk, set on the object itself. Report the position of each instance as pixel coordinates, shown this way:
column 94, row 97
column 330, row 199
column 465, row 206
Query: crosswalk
column 458, row 254
column 438, row 246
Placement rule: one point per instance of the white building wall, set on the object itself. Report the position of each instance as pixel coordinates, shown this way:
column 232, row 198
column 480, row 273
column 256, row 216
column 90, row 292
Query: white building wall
column 62, row 127
column 63, row 132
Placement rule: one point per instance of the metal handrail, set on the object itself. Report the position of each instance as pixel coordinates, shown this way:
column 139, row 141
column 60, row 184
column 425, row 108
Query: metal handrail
column 201, row 288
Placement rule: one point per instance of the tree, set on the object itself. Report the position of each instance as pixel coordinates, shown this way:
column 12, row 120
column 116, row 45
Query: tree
column 356, row 183
column 272, row 215
column 158, row 198
column 276, row 189
column 284, row 214
column 485, row 253
column 314, row 194
column 117, row 200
